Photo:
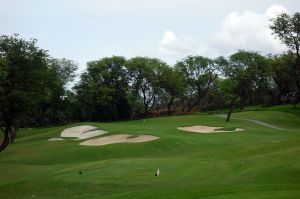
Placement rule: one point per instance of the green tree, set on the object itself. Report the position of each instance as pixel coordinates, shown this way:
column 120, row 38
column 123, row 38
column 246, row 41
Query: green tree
column 199, row 73
column 144, row 80
column 248, row 71
column 218, row 95
column 61, row 72
column 102, row 90
column 281, row 87
column 287, row 28
column 23, row 69
column 171, row 84
column 231, row 99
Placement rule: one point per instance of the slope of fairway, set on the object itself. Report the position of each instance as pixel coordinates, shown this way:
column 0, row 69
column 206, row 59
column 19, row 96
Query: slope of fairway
column 277, row 118
column 258, row 162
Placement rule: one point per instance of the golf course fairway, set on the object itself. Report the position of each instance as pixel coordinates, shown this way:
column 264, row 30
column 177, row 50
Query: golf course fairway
column 258, row 162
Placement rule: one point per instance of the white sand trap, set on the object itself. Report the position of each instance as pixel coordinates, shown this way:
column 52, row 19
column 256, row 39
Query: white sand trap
column 205, row 129
column 118, row 139
column 81, row 132
column 76, row 130
column 90, row 134
column 55, row 139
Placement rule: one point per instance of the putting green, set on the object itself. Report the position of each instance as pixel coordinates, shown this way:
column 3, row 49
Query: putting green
column 258, row 163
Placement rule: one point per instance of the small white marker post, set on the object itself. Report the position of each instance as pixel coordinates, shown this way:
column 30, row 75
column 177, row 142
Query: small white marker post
column 157, row 172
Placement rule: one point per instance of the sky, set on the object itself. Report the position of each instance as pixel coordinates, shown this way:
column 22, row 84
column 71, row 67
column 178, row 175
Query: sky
column 86, row 30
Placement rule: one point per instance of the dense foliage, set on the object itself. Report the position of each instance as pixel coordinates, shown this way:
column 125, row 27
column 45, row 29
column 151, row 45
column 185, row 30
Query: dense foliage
column 32, row 86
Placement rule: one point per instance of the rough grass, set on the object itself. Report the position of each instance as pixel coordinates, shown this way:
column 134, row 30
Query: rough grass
column 258, row 162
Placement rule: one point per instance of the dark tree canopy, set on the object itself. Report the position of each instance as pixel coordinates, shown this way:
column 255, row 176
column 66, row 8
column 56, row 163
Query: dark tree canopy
column 31, row 84
column 249, row 73
column 287, row 28
column 144, row 74
column 199, row 73
column 24, row 71
column 102, row 90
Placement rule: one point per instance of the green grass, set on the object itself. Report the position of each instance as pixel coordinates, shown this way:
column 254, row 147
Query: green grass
column 287, row 108
column 258, row 162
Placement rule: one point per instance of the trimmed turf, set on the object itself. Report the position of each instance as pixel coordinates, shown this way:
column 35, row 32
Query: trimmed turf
column 256, row 163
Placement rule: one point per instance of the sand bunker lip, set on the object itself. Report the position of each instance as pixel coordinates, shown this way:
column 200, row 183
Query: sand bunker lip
column 82, row 132
column 205, row 129
column 55, row 139
column 90, row 134
column 120, row 138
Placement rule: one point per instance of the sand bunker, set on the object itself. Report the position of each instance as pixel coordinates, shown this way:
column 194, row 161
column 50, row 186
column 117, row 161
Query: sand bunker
column 55, row 139
column 82, row 132
column 118, row 139
column 205, row 129
column 87, row 131
column 76, row 131
column 90, row 134
column 79, row 133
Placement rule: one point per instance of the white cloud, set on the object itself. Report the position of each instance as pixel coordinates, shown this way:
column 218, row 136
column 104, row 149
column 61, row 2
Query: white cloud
column 248, row 30
column 171, row 45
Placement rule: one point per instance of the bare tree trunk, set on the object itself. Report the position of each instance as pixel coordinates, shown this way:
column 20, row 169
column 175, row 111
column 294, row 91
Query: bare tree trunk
column 132, row 115
column 228, row 115
column 145, row 102
column 190, row 104
column 169, row 109
column 230, row 112
column 170, row 104
column 13, row 134
column 5, row 141
column 183, row 105
column 153, row 99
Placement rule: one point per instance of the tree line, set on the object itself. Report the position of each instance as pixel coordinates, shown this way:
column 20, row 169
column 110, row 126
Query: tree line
column 34, row 87
column 114, row 88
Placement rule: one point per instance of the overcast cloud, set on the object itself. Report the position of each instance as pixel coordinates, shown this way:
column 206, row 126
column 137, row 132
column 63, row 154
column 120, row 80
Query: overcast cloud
column 174, row 46
column 248, row 30
column 85, row 30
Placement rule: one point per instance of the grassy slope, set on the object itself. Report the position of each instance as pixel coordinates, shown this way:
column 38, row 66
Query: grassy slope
column 257, row 163
column 288, row 108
